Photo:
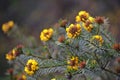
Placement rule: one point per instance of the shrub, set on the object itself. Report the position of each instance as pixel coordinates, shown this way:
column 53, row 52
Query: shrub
column 84, row 50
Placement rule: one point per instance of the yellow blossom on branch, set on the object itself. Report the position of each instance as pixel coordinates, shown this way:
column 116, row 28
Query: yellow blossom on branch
column 98, row 38
column 73, row 63
column 91, row 19
column 46, row 34
column 31, row 67
column 73, row 30
column 22, row 77
column 82, row 16
column 7, row 26
column 10, row 56
column 53, row 79
column 14, row 52
column 88, row 26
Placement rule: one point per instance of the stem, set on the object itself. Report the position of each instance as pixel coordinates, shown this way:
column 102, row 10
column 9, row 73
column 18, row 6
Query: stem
column 98, row 61
column 110, row 71
column 106, row 64
column 48, row 49
column 98, row 29
column 37, row 56
column 11, row 76
column 53, row 66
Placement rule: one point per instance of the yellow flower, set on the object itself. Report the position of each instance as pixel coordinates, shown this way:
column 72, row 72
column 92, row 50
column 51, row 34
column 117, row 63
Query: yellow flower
column 31, row 67
column 73, row 30
column 88, row 26
column 7, row 26
column 22, row 77
column 93, row 61
column 91, row 19
column 98, row 38
column 73, row 63
column 82, row 16
column 46, row 34
column 77, row 19
column 9, row 56
column 14, row 53
column 53, row 79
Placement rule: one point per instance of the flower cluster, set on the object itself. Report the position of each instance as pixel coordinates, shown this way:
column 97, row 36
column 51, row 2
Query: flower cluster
column 81, row 47
column 46, row 34
column 74, row 64
column 14, row 53
column 86, row 19
column 31, row 67
column 7, row 26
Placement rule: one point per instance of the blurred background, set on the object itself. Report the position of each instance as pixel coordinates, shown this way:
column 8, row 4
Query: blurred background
column 33, row 15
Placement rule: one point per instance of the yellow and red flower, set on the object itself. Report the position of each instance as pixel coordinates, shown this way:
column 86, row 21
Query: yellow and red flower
column 73, row 63
column 10, row 56
column 82, row 16
column 14, row 53
column 73, row 30
column 88, row 26
column 98, row 38
column 31, row 67
column 46, row 34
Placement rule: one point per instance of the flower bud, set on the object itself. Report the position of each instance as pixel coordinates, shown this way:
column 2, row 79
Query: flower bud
column 63, row 23
column 116, row 46
column 82, row 64
column 61, row 38
column 10, row 71
column 99, row 20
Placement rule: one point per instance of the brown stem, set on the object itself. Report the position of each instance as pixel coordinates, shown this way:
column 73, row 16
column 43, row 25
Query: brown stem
column 11, row 76
column 109, row 71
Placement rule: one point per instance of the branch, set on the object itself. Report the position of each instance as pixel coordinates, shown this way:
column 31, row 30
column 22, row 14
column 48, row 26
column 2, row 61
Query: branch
column 110, row 71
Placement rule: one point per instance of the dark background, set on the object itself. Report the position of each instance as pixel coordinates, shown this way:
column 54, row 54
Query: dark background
column 33, row 15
